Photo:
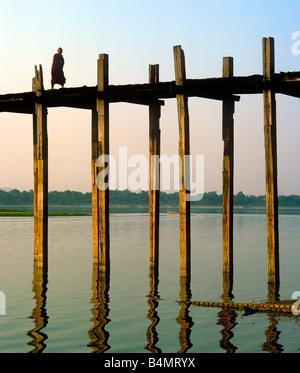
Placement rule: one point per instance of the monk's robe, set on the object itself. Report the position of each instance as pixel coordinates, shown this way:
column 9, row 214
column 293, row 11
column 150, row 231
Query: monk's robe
column 57, row 73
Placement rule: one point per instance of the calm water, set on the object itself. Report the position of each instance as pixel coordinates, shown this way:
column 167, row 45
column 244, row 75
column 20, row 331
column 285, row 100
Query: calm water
column 78, row 314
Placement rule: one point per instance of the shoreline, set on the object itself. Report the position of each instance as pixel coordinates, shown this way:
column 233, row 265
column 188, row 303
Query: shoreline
column 62, row 210
column 16, row 213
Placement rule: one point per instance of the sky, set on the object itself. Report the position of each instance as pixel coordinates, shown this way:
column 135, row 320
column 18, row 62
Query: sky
column 136, row 33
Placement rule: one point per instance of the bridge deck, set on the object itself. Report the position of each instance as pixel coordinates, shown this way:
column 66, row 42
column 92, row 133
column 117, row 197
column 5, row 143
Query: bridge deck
column 211, row 88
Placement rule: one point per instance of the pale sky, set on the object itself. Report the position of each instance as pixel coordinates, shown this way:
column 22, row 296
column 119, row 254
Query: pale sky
column 136, row 33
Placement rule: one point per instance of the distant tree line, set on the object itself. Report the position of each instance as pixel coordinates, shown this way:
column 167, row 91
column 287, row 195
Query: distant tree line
column 127, row 198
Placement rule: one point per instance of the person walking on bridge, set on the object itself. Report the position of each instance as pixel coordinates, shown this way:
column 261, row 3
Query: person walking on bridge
column 57, row 74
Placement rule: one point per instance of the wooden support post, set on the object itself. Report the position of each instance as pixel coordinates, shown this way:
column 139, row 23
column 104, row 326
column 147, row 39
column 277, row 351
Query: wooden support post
column 95, row 194
column 184, row 151
column 271, row 164
column 154, row 170
column 228, row 138
column 100, row 168
column 154, row 190
column 40, row 173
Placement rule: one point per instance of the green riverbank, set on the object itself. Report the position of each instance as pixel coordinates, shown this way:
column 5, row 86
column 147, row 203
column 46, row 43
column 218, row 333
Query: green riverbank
column 4, row 212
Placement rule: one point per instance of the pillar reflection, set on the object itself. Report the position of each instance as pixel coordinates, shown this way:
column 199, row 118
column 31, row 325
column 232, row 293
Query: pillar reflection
column 272, row 336
column 153, row 296
column 227, row 318
column 39, row 313
column 100, row 311
column 184, row 319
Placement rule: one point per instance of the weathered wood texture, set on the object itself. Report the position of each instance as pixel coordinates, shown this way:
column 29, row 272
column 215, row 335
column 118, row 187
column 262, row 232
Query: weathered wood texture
column 183, row 150
column 228, row 165
column 154, row 172
column 270, row 161
column 100, row 182
column 40, row 172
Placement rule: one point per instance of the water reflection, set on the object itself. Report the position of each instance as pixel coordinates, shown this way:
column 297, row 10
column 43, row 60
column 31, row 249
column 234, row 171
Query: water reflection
column 227, row 318
column 99, row 336
column 39, row 313
column 100, row 311
column 272, row 336
column 184, row 319
column 151, row 333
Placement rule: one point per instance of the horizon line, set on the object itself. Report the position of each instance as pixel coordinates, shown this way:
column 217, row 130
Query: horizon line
column 7, row 190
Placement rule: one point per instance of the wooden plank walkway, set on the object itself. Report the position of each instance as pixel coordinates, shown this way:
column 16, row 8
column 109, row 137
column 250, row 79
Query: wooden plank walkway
column 213, row 88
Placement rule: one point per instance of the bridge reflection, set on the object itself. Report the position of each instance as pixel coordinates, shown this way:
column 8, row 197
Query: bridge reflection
column 100, row 299
column 99, row 335
column 39, row 313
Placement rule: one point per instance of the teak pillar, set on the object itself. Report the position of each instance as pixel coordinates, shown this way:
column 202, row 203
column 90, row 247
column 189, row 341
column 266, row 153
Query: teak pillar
column 40, row 172
column 184, row 151
column 228, row 138
column 154, row 170
column 100, row 188
column 270, row 163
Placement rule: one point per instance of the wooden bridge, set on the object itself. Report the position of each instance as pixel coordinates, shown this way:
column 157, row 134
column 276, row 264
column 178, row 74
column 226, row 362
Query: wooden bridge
column 227, row 89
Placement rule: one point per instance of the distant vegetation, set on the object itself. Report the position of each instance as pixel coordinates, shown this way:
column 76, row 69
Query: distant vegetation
column 5, row 212
column 127, row 198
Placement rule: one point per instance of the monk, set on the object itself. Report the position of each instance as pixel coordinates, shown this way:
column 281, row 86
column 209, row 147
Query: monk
column 57, row 74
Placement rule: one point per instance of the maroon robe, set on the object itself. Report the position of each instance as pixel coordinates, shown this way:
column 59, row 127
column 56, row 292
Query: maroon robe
column 57, row 73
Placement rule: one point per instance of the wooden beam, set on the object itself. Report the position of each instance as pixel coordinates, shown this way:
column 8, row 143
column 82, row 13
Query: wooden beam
column 40, row 172
column 183, row 150
column 154, row 170
column 210, row 88
column 100, row 187
column 228, row 138
column 18, row 103
column 271, row 164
